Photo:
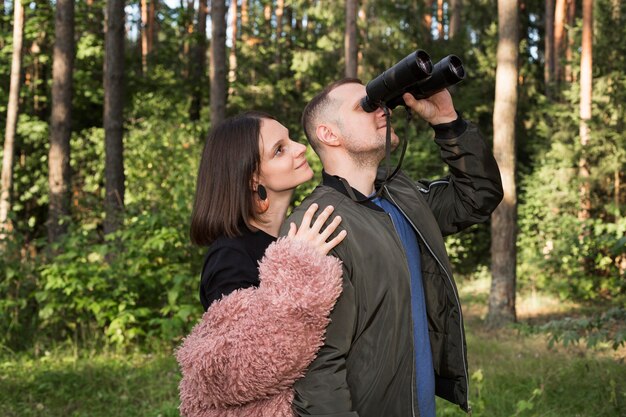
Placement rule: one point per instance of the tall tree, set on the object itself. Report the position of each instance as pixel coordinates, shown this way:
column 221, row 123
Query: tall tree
column 350, row 41
column 61, row 119
column 504, row 218
column 218, row 61
column 280, row 11
column 440, row 30
column 152, row 24
column 428, row 20
column 198, row 62
column 586, row 62
column 559, row 38
column 143, row 5
column 232, row 55
column 570, row 9
column 548, row 52
column 11, row 122
column 113, row 114
column 455, row 18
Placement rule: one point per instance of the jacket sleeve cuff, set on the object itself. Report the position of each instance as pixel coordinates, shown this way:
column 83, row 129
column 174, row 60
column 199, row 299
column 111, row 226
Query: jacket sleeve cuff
column 450, row 130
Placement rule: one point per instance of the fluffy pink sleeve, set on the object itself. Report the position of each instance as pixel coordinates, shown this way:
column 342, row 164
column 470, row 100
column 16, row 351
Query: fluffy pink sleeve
column 255, row 342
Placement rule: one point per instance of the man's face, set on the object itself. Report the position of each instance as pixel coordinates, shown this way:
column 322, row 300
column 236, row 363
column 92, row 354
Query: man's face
column 362, row 133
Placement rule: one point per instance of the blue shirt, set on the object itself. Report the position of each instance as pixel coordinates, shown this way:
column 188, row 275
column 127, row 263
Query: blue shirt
column 425, row 375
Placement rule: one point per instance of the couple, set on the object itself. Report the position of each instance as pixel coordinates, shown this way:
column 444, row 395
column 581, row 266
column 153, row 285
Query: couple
column 376, row 329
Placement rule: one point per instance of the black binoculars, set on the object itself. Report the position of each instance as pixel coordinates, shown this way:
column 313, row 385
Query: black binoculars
column 416, row 75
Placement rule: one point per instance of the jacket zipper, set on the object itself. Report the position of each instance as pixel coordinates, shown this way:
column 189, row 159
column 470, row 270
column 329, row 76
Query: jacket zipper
column 456, row 298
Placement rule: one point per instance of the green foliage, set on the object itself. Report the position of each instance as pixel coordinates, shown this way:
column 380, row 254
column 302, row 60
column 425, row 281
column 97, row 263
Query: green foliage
column 608, row 327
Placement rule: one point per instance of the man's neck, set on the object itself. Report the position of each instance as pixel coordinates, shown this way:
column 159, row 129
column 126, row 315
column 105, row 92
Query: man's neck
column 361, row 178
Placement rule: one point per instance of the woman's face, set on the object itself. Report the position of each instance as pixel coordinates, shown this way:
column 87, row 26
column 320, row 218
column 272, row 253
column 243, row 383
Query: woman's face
column 283, row 164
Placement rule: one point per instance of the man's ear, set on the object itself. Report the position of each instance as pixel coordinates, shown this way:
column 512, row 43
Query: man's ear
column 326, row 134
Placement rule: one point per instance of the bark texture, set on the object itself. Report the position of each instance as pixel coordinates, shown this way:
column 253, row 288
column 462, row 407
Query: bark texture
column 61, row 120
column 503, row 221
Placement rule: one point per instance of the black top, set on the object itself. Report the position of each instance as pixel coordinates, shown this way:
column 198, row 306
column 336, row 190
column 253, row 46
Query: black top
column 231, row 263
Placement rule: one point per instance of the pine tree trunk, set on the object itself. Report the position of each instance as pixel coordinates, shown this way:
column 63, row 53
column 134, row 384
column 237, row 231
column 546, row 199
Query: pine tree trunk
column 559, row 39
column 350, row 41
column 455, row 18
column 428, row 21
column 11, row 122
column 232, row 56
column 503, row 222
column 586, row 65
column 143, row 5
column 113, row 115
column 280, row 10
column 440, row 34
column 61, row 120
column 198, row 63
column 152, row 25
column 218, row 61
column 571, row 22
column 548, row 66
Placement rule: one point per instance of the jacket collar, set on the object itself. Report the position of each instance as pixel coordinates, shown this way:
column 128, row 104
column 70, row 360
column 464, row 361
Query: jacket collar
column 334, row 181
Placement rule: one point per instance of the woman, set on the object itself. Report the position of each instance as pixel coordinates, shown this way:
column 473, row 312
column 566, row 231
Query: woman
column 262, row 326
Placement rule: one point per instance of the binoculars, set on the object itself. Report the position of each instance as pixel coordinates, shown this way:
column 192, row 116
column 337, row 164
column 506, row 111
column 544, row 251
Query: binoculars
column 415, row 74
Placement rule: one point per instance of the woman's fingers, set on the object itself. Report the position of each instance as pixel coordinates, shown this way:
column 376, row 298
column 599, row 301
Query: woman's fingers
column 321, row 219
column 330, row 228
column 314, row 233
column 292, row 230
column 334, row 241
column 308, row 216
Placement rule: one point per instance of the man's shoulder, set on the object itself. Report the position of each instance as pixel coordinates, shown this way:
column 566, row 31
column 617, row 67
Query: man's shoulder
column 322, row 196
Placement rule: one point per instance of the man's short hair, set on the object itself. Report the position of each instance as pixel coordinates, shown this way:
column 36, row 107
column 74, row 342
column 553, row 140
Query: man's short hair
column 316, row 108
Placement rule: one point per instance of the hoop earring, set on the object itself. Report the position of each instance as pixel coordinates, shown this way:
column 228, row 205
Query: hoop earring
column 262, row 192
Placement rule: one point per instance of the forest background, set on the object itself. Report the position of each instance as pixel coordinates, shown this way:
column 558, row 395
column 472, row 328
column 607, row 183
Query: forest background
column 103, row 135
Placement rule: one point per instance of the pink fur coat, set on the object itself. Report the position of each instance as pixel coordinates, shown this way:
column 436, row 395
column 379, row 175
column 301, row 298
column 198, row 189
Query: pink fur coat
column 244, row 356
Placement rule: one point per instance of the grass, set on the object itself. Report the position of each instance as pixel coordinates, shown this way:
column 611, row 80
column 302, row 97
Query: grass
column 97, row 386
column 513, row 374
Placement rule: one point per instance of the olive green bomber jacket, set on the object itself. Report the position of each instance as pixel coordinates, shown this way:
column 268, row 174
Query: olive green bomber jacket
column 366, row 366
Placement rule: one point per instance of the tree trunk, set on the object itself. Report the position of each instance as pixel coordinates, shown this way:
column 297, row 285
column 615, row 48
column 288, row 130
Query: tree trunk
column 586, row 62
column 198, row 63
column 350, row 41
column 455, row 18
column 232, row 56
column 571, row 22
column 11, row 122
column 113, row 115
column 440, row 33
column 280, row 10
column 143, row 4
column 61, row 120
column 218, row 61
column 503, row 222
column 559, row 39
column 548, row 66
column 152, row 25
column 428, row 21
column 245, row 19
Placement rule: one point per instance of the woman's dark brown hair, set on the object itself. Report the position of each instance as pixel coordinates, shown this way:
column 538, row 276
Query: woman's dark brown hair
column 224, row 201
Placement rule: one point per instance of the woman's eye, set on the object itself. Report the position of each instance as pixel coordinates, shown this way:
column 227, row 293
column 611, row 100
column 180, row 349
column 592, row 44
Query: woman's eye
column 279, row 150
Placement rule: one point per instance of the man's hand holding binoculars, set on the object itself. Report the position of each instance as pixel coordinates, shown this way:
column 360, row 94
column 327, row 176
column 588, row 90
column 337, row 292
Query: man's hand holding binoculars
column 436, row 109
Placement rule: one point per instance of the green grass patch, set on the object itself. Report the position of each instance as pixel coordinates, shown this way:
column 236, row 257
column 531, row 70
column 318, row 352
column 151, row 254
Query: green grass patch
column 95, row 386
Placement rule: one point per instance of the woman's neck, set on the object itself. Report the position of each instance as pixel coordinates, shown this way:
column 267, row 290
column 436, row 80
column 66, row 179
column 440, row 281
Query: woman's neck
column 271, row 221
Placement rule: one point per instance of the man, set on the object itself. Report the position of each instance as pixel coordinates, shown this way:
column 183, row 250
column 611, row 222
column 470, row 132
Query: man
column 396, row 335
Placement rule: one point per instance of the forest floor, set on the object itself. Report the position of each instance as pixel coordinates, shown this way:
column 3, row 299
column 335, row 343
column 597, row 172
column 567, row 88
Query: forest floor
column 512, row 373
